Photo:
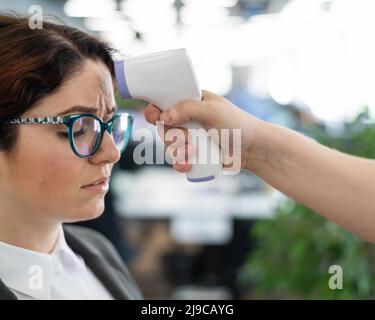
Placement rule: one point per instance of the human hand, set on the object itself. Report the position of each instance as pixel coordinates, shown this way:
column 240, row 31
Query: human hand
column 213, row 112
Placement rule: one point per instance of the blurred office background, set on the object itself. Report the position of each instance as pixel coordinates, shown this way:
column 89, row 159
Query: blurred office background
column 305, row 64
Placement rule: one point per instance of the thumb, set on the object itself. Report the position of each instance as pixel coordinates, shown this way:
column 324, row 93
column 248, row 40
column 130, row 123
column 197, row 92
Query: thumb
column 186, row 111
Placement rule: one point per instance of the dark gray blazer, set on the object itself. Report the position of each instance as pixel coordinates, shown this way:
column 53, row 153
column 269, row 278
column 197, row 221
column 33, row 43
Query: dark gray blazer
column 101, row 257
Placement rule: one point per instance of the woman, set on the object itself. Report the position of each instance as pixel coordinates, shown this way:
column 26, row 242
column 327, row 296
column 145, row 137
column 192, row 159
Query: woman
column 60, row 136
column 336, row 185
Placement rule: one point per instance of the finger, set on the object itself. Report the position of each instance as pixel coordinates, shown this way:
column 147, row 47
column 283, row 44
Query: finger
column 183, row 153
column 170, row 135
column 208, row 95
column 190, row 110
column 152, row 114
column 186, row 167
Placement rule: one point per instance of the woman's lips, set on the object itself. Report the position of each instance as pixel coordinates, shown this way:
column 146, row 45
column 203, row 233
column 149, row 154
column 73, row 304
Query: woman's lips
column 99, row 186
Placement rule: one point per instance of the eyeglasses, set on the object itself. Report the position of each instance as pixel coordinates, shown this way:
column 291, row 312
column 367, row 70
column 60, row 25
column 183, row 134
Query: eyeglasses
column 86, row 131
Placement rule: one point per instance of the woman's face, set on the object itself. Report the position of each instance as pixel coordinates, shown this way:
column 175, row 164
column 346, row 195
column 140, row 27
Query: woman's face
column 43, row 177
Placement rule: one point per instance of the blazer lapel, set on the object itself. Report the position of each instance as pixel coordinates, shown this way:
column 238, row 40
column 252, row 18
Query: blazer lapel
column 6, row 293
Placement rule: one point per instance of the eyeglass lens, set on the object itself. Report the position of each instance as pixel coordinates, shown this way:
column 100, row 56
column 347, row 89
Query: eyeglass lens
column 87, row 134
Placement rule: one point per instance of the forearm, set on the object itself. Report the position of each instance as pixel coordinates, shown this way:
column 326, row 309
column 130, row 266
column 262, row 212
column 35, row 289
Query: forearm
column 338, row 186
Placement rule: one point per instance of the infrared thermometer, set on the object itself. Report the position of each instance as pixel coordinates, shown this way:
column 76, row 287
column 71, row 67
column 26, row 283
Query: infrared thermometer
column 164, row 79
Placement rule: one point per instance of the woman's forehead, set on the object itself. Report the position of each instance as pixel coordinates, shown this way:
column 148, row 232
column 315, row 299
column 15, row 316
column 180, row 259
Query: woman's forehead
column 91, row 87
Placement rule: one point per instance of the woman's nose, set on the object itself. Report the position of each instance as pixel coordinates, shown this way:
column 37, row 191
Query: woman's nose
column 107, row 151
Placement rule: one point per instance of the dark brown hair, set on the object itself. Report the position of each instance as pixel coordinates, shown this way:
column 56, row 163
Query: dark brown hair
column 36, row 62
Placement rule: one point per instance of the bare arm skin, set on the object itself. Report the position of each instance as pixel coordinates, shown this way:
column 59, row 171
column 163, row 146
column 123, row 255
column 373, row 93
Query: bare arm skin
column 336, row 185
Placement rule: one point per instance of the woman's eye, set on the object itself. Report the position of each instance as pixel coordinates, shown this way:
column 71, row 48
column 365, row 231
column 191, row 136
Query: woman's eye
column 79, row 133
column 63, row 134
column 75, row 134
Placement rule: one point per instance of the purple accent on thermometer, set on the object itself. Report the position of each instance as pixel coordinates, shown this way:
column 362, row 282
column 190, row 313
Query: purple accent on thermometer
column 201, row 179
column 121, row 80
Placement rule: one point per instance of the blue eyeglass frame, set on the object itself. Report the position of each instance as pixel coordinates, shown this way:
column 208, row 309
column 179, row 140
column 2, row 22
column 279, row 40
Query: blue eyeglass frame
column 69, row 122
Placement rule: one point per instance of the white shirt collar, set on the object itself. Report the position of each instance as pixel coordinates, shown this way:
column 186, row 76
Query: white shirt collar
column 30, row 272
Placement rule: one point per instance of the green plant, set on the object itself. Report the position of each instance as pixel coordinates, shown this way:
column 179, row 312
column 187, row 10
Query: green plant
column 129, row 104
column 294, row 250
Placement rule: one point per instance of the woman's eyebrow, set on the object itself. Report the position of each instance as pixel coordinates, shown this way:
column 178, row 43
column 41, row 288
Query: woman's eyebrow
column 85, row 109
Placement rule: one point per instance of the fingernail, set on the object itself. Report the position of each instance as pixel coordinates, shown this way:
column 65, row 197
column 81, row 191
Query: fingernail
column 151, row 116
column 166, row 117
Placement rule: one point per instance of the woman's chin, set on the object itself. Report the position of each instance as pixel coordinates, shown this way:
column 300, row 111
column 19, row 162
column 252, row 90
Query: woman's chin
column 88, row 212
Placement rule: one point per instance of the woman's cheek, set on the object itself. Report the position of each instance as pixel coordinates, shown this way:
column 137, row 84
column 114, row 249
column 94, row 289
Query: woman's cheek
column 60, row 175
